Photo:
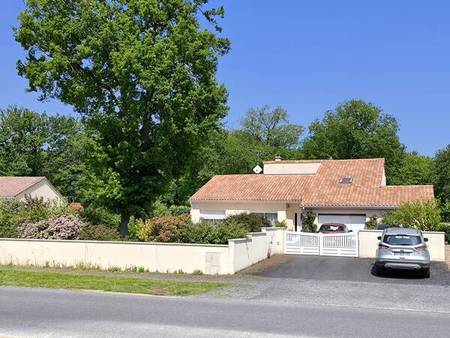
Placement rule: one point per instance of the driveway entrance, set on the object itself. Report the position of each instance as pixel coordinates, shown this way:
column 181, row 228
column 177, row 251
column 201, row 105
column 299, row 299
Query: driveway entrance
column 344, row 269
column 303, row 243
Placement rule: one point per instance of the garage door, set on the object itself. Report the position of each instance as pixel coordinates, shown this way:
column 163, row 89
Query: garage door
column 353, row 222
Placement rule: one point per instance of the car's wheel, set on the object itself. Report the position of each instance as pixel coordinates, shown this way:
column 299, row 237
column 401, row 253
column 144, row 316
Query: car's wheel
column 380, row 271
column 426, row 273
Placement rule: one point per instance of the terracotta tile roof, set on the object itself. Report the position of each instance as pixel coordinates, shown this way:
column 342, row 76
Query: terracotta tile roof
column 11, row 186
column 254, row 188
column 320, row 190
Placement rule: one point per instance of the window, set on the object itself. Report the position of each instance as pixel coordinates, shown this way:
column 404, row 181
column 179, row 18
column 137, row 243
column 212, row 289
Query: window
column 272, row 217
column 212, row 215
column 402, row 240
column 346, row 180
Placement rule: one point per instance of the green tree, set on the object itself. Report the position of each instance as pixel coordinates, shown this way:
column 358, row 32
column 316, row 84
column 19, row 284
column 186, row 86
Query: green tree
column 41, row 145
column 442, row 179
column 415, row 169
column 271, row 127
column 423, row 215
column 23, row 134
column 142, row 73
column 356, row 129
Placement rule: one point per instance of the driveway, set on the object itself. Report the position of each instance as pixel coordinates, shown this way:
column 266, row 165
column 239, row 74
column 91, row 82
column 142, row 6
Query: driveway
column 323, row 268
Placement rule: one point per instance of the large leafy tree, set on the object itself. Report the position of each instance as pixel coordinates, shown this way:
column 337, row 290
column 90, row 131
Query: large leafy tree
column 22, row 137
column 271, row 127
column 415, row 169
column 442, row 179
column 356, row 129
column 41, row 145
column 142, row 74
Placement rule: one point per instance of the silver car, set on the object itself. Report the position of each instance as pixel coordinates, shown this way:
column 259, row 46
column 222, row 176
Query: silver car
column 403, row 248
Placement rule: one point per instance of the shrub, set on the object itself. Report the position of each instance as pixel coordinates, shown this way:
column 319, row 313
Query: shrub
column 9, row 231
column 9, row 218
column 161, row 229
column 63, row 227
column 423, row 215
column 308, row 219
column 207, row 233
column 161, row 209
column 100, row 215
column 252, row 222
column 99, row 232
column 281, row 224
column 445, row 211
column 445, row 227
column 372, row 223
column 33, row 230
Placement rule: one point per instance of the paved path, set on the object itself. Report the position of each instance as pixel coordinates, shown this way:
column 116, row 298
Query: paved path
column 346, row 269
column 56, row 313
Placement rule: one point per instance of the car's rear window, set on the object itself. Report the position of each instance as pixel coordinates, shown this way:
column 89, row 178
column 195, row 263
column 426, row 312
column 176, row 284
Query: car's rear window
column 402, row 239
column 332, row 227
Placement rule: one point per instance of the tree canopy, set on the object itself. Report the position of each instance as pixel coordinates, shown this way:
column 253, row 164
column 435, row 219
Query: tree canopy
column 271, row 127
column 356, row 129
column 141, row 73
column 442, row 180
column 33, row 144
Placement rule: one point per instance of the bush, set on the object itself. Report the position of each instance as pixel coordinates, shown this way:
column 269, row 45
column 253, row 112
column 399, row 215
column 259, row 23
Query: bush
column 100, row 215
column 161, row 229
column 207, row 233
column 445, row 227
column 9, row 231
column 372, row 223
column 308, row 219
column 423, row 215
column 252, row 222
column 33, row 230
column 161, row 209
column 9, row 218
column 99, row 232
column 63, row 228
column 445, row 211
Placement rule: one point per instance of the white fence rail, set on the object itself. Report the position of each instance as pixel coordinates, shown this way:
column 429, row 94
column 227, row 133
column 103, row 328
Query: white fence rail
column 302, row 243
column 339, row 244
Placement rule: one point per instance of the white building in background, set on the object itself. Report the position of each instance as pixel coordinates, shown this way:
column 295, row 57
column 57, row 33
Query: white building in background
column 19, row 187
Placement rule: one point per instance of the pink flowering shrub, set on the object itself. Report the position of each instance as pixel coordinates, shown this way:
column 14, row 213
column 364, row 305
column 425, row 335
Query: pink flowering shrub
column 63, row 227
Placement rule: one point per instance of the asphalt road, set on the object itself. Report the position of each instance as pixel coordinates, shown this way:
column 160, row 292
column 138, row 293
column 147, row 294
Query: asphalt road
column 56, row 313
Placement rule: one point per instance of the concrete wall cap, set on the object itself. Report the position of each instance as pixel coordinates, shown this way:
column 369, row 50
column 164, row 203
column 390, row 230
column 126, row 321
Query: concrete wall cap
column 112, row 242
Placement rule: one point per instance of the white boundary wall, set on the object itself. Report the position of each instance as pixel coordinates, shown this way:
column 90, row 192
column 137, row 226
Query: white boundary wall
column 156, row 257
column 368, row 244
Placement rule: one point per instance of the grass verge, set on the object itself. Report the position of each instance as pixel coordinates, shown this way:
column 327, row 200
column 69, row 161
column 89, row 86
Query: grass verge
column 59, row 280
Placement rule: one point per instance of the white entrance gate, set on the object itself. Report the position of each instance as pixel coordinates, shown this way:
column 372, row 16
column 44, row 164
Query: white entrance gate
column 303, row 243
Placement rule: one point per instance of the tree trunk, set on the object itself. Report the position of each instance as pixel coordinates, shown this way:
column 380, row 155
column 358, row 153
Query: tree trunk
column 124, row 220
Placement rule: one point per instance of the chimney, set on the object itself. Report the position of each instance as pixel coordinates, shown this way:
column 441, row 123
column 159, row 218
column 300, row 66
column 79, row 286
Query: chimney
column 277, row 157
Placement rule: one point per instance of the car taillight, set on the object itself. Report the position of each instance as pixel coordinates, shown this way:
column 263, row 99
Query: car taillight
column 422, row 247
column 382, row 246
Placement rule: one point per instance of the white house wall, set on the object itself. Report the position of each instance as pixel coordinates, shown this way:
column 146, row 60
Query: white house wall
column 42, row 189
column 285, row 211
column 282, row 210
column 283, row 168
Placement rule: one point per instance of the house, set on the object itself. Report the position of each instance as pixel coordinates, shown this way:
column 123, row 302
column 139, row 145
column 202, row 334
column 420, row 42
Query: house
column 18, row 187
column 341, row 191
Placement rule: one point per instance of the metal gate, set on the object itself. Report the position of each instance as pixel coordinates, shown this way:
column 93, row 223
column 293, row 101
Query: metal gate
column 303, row 243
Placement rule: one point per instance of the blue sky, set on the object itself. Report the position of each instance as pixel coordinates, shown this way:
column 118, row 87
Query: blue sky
column 308, row 56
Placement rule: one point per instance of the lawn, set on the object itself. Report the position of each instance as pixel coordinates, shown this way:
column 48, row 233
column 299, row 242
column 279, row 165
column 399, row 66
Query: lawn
column 62, row 280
